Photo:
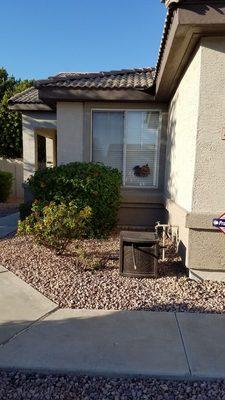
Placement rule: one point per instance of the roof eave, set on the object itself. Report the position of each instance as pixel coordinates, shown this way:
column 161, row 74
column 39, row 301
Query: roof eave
column 29, row 107
column 55, row 94
column 188, row 23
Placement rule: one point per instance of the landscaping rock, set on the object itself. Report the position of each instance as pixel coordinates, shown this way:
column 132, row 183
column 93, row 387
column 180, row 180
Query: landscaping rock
column 72, row 280
column 20, row 386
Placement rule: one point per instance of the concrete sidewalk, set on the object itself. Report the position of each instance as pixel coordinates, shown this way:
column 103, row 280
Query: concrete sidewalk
column 8, row 224
column 37, row 336
column 20, row 305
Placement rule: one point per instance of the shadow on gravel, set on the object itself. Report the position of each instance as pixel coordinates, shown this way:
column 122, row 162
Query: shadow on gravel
column 172, row 268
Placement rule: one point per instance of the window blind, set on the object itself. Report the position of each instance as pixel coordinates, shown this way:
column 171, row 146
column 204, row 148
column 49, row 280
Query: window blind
column 125, row 140
column 108, row 132
column 141, row 144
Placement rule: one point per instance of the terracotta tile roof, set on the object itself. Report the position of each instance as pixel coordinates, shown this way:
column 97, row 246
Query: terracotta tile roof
column 171, row 5
column 166, row 29
column 137, row 78
column 28, row 96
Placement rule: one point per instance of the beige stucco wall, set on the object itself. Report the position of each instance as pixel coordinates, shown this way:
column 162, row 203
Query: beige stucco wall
column 207, row 245
column 70, row 121
column 195, row 157
column 209, row 181
column 180, row 154
column 177, row 217
column 182, row 132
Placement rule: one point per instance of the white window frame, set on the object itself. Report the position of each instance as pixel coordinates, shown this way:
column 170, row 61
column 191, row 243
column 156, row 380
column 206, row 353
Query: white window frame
column 157, row 158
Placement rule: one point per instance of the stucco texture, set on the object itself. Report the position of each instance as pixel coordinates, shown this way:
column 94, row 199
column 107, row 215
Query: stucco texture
column 181, row 140
column 195, row 151
column 207, row 246
column 195, row 156
column 69, row 132
column 206, row 250
column 209, row 187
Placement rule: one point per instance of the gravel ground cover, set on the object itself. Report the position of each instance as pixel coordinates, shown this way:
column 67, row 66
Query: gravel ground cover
column 18, row 386
column 88, row 277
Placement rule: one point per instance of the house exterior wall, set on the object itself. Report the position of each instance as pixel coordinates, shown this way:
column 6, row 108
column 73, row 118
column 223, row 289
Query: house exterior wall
column 182, row 133
column 195, row 190
column 209, row 187
column 210, row 160
column 70, row 120
column 181, row 149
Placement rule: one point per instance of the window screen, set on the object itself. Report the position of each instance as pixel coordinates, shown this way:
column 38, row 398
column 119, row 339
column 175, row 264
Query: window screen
column 108, row 132
column 141, row 145
column 128, row 140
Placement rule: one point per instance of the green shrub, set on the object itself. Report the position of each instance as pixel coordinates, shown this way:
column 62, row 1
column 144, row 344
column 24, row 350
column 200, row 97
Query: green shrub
column 6, row 180
column 88, row 184
column 25, row 210
column 55, row 225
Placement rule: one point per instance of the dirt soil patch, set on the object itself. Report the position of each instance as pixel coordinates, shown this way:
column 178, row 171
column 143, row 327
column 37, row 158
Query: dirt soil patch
column 88, row 277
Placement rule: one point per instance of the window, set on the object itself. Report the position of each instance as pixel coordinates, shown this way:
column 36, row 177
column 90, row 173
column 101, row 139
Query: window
column 128, row 140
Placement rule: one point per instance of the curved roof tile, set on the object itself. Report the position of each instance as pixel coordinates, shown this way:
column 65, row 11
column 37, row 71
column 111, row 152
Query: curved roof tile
column 137, row 78
column 28, row 96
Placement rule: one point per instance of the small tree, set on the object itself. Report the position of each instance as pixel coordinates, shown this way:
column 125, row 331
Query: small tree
column 10, row 121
